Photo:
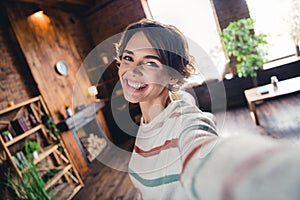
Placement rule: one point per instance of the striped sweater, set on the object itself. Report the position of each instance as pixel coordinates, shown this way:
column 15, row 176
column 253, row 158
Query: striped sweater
column 162, row 148
column 178, row 155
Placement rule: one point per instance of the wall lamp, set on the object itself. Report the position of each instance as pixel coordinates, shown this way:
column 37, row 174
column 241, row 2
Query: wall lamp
column 93, row 90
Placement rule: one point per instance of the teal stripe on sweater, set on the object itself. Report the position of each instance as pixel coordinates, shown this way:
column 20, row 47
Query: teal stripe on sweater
column 155, row 182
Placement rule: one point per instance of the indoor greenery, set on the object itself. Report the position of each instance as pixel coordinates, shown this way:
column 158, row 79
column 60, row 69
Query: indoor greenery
column 50, row 125
column 241, row 42
column 30, row 186
column 7, row 135
column 30, row 147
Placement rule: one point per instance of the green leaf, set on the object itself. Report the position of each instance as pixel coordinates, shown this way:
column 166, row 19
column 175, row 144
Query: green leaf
column 241, row 42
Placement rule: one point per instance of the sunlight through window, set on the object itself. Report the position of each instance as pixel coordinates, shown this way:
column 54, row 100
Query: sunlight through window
column 197, row 22
column 274, row 21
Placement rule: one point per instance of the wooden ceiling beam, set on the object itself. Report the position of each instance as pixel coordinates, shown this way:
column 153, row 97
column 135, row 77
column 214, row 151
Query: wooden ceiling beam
column 77, row 2
column 57, row 3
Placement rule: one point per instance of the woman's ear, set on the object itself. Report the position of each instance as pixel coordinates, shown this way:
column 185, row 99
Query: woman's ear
column 173, row 81
column 117, row 64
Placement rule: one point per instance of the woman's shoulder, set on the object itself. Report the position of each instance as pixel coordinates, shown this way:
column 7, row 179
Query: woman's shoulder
column 184, row 108
column 191, row 113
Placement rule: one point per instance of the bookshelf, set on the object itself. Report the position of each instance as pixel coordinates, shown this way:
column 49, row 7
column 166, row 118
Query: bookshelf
column 24, row 122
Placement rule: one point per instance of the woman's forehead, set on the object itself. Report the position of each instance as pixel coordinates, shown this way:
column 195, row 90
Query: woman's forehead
column 138, row 41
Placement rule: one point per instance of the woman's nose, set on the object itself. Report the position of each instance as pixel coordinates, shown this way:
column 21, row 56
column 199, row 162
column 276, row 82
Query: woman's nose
column 138, row 68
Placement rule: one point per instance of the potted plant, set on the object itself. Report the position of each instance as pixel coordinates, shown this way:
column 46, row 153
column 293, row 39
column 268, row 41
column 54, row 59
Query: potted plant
column 30, row 186
column 241, row 43
column 32, row 148
column 7, row 135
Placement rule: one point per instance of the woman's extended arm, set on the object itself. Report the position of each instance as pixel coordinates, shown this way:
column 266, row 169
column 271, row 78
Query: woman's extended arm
column 239, row 167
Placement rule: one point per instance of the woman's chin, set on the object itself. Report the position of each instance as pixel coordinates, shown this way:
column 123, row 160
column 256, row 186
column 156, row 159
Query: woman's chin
column 131, row 99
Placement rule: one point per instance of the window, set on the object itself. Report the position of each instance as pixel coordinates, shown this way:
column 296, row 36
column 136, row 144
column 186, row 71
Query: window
column 197, row 22
column 272, row 17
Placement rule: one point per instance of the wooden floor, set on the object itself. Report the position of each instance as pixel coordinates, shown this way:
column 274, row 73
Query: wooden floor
column 279, row 118
column 108, row 183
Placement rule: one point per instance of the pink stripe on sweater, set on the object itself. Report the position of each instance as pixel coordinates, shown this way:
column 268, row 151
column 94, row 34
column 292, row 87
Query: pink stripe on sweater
column 167, row 145
column 175, row 114
column 193, row 151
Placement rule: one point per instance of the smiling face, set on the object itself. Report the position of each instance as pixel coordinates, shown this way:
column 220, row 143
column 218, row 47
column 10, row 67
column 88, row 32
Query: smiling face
column 143, row 77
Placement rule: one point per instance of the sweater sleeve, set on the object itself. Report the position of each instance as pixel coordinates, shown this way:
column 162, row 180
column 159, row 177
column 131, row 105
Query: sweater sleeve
column 239, row 167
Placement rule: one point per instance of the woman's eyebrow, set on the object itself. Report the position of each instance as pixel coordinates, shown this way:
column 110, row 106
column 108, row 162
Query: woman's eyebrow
column 128, row 51
column 147, row 56
column 153, row 57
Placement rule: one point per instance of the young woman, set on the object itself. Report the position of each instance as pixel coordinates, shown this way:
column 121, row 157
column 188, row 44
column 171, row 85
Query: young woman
column 177, row 153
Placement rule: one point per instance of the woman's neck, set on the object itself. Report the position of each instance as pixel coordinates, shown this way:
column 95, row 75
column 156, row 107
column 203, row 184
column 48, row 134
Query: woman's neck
column 151, row 109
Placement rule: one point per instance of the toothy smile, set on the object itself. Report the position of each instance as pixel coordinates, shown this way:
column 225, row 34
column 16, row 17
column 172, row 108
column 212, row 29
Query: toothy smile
column 136, row 85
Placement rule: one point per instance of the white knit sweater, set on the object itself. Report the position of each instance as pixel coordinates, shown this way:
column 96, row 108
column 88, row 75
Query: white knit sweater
column 157, row 159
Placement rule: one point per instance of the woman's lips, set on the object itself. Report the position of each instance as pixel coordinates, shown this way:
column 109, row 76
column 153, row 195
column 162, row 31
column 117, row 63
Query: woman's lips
column 135, row 85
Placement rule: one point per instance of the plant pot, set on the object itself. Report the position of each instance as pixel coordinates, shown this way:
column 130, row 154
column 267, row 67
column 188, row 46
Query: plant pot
column 297, row 51
column 9, row 137
column 35, row 155
column 255, row 81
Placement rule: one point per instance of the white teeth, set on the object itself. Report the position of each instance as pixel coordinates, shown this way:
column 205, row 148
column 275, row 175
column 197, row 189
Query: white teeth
column 136, row 85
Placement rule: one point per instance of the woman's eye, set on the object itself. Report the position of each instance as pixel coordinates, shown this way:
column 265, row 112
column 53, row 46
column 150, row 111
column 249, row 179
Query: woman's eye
column 151, row 64
column 127, row 58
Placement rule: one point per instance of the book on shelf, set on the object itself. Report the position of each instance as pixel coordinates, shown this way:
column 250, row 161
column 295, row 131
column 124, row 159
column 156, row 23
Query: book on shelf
column 19, row 125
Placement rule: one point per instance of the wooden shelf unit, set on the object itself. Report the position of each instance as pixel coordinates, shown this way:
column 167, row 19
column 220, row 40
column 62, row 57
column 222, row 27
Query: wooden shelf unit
column 52, row 150
column 24, row 135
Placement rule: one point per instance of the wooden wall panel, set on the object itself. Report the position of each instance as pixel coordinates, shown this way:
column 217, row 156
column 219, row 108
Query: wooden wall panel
column 44, row 41
column 75, row 153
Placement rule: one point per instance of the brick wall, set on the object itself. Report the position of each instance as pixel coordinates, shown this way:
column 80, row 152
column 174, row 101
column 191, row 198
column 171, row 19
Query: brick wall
column 16, row 82
column 230, row 10
column 112, row 17
column 82, row 38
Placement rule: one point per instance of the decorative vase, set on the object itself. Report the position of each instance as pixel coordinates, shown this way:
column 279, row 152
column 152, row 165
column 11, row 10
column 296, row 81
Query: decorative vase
column 9, row 136
column 35, row 155
column 69, row 112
